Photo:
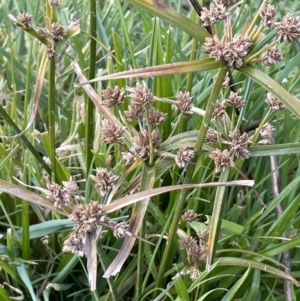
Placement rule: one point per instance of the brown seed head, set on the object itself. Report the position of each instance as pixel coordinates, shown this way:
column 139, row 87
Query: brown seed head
column 113, row 97
column 156, row 116
column 221, row 159
column 51, row 54
column 196, row 253
column 239, row 144
column 58, row 195
column 58, row 32
column 70, row 187
column 234, row 100
column 25, row 19
column 213, row 14
column 211, row 136
column 189, row 216
column 289, row 29
column 128, row 157
column 219, row 111
column 104, row 179
column 274, row 102
column 271, row 56
column 184, row 102
column 183, row 156
column 74, row 244
column 187, row 243
column 111, row 133
column 203, row 236
column 120, row 229
column 141, row 143
column 193, row 272
column 267, row 13
column 232, row 52
column 266, row 132
column 141, row 95
column 44, row 32
column 135, row 112
column 87, row 216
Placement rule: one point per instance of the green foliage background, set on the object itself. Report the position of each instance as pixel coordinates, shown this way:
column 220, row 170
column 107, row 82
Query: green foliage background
column 247, row 239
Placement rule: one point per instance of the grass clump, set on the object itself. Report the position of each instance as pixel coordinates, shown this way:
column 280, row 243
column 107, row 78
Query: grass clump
column 149, row 150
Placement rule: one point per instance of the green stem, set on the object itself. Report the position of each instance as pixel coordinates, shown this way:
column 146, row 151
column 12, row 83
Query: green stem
column 255, row 135
column 89, row 124
column 51, row 116
column 167, row 255
column 189, row 81
column 147, row 183
column 254, row 20
column 216, row 218
column 104, row 264
column 51, row 104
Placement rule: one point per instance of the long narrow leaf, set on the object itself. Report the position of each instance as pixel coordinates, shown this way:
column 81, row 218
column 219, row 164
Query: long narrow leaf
column 272, row 86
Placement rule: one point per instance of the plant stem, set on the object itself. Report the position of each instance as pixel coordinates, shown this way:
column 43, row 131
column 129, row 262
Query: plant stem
column 147, row 183
column 103, row 261
column 51, row 116
column 89, row 122
column 167, row 257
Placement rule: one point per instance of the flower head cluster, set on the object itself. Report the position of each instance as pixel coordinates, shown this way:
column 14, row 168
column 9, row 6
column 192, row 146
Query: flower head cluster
column 61, row 196
column 183, row 156
column 193, row 272
column 272, row 56
column 234, row 100
column 128, row 157
column 119, row 229
column 233, row 52
column 112, row 96
column 111, row 133
column 189, row 216
column 213, row 14
column 74, row 244
column 219, row 111
column 25, row 19
column 222, row 159
column 239, row 144
column 274, row 102
column 156, row 116
column 211, row 136
column 267, row 13
column 141, row 143
column 87, row 218
column 289, row 29
column 195, row 252
column 51, row 53
column 104, row 179
column 57, row 33
column 184, row 102
column 266, row 133
column 140, row 97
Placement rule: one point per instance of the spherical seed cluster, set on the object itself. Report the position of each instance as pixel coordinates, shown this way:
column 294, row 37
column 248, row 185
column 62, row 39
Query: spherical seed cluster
column 183, row 156
column 233, row 52
column 111, row 133
column 113, row 97
column 104, row 179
